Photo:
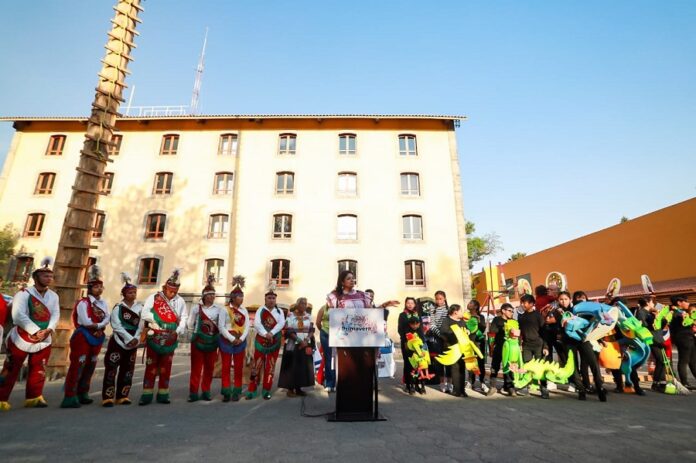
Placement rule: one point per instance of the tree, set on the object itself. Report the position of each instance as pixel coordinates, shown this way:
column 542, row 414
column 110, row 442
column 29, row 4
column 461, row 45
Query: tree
column 624, row 219
column 517, row 256
column 479, row 247
column 8, row 241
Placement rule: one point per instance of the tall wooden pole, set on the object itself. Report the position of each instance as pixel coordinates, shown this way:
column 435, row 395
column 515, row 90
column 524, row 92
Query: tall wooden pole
column 75, row 239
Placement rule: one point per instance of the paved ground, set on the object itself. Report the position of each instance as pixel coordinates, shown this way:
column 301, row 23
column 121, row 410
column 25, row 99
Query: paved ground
column 434, row 428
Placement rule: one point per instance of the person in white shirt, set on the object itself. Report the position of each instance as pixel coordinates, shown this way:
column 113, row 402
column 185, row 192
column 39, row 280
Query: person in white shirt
column 203, row 321
column 90, row 316
column 121, row 352
column 234, row 329
column 35, row 314
column 268, row 322
column 164, row 313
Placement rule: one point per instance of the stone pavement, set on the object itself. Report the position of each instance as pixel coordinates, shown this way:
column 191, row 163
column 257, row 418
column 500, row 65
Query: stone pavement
column 434, row 428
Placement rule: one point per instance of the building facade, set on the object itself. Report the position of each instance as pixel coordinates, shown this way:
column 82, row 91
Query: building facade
column 290, row 199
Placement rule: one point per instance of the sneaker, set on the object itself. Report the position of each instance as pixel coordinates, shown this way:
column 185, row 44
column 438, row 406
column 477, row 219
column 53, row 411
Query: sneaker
column 544, row 393
column 443, row 388
column 571, row 388
column 450, row 388
column 639, row 391
column 602, row 393
column 582, row 395
column 551, row 386
column 327, row 389
column 291, row 393
column 485, row 388
column 521, row 392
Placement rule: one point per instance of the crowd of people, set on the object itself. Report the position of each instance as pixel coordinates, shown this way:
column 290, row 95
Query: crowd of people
column 441, row 343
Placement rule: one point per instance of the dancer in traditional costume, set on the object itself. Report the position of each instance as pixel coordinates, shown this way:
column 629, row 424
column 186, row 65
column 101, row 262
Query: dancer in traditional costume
column 90, row 316
column 297, row 367
column 234, row 328
column 165, row 314
column 35, row 313
column 203, row 321
column 268, row 322
column 121, row 352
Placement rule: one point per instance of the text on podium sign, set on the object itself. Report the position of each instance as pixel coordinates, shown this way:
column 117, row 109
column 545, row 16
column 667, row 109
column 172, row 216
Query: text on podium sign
column 357, row 328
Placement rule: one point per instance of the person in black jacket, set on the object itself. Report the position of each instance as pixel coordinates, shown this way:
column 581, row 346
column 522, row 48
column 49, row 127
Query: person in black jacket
column 496, row 332
column 533, row 344
column 682, row 336
column 449, row 338
column 410, row 308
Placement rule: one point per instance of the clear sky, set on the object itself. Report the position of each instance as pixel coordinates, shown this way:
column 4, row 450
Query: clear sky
column 579, row 112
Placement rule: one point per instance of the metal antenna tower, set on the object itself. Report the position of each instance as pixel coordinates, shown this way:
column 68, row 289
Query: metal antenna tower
column 199, row 77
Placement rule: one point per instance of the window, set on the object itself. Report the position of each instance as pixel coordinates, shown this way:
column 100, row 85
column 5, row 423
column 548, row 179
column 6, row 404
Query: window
column 413, row 227
column 106, row 183
column 34, row 225
column 44, row 184
column 163, row 183
column 213, row 267
column 98, row 228
column 115, row 148
column 224, row 183
column 285, row 183
column 347, row 183
column 227, row 145
column 407, row 145
column 280, row 272
column 22, row 268
column 282, row 226
column 55, row 145
column 85, row 271
column 346, row 144
column 288, row 141
column 415, row 272
column 154, row 228
column 219, row 226
column 170, row 144
column 347, row 227
column 149, row 269
column 410, row 184
column 350, row 265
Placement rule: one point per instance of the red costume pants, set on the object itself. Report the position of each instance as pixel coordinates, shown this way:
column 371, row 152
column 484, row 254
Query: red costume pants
column 83, row 361
column 201, row 362
column 157, row 365
column 13, row 365
column 263, row 363
column 119, row 364
column 227, row 360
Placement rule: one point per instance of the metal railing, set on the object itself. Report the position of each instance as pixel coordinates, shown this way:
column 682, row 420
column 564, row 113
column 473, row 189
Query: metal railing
column 155, row 111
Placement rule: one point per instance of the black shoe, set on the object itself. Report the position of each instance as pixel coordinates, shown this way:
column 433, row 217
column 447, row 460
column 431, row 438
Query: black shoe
column 508, row 391
column 582, row 395
column 618, row 390
column 602, row 393
column 420, row 389
column 591, row 389
column 655, row 387
column 544, row 393
column 639, row 391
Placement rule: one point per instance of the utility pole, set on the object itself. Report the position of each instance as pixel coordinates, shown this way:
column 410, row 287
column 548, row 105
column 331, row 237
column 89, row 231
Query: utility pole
column 76, row 236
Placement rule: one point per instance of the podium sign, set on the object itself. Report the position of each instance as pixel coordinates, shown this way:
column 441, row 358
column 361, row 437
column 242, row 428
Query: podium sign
column 357, row 328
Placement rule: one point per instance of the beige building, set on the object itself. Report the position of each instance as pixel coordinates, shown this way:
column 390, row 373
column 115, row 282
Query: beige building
column 284, row 198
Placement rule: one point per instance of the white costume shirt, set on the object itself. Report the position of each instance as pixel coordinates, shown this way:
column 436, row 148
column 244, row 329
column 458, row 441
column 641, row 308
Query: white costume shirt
column 212, row 311
column 84, row 320
column 277, row 314
column 177, row 304
column 20, row 317
column 122, row 336
column 225, row 324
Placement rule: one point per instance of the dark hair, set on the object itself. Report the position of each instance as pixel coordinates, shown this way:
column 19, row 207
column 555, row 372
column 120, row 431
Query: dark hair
column 453, row 308
column 577, row 295
column 507, row 305
column 642, row 302
column 616, row 300
column 692, row 305
column 541, row 290
column 565, row 293
column 442, row 293
column 476, row 304
column 409, row 298
column 369, row 291
column 339, row 283
column 674, row 300
column 527, row 298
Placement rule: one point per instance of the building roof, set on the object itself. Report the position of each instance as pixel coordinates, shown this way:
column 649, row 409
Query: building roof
column 667, row 287
column 245, row 116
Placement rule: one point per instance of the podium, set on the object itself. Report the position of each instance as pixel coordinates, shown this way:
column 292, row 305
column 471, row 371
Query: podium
column 356, row 334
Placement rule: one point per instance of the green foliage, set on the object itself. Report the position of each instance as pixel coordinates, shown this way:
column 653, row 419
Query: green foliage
column 479, row 247
column 517, row 256
column 8, row 241
column 624, row 219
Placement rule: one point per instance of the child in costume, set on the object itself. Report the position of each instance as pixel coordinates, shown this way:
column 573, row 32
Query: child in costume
column 496, row 335
column 511, row 356
column 234, row 329
column 35, row 314
column 90, row 316
column 461, row 353
column 268, row 322
column 121, row 352
column 410, row 308
column 203, row 321
column 165, row 315
column 476, row 324
column 418, row 357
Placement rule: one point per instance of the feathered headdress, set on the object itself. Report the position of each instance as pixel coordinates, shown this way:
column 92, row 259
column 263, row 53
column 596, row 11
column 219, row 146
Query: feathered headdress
column 94, row 274
column 271, row 288
column 174, row 279
column 209, row 288
column 46, row 263
column 127, row 282
column 238, row 281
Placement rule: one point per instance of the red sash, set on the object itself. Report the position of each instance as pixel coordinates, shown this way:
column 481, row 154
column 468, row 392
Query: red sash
column 269, row 322
column 95, row 314
column 238, row 320
column 206, row 326
column 39, row 314
column 163, row 311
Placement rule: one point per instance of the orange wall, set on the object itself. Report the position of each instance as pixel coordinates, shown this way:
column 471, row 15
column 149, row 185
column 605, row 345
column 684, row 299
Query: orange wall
column 661, row 244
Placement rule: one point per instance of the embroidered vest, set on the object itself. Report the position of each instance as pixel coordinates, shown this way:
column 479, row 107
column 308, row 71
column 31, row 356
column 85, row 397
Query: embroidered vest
column 206, row 335
column 129, row 319
column 263, row 345
column 164, row 340
column 39, row 314
column 94, row 313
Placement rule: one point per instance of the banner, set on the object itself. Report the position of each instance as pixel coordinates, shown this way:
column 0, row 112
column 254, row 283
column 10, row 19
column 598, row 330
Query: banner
column 357, row 328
